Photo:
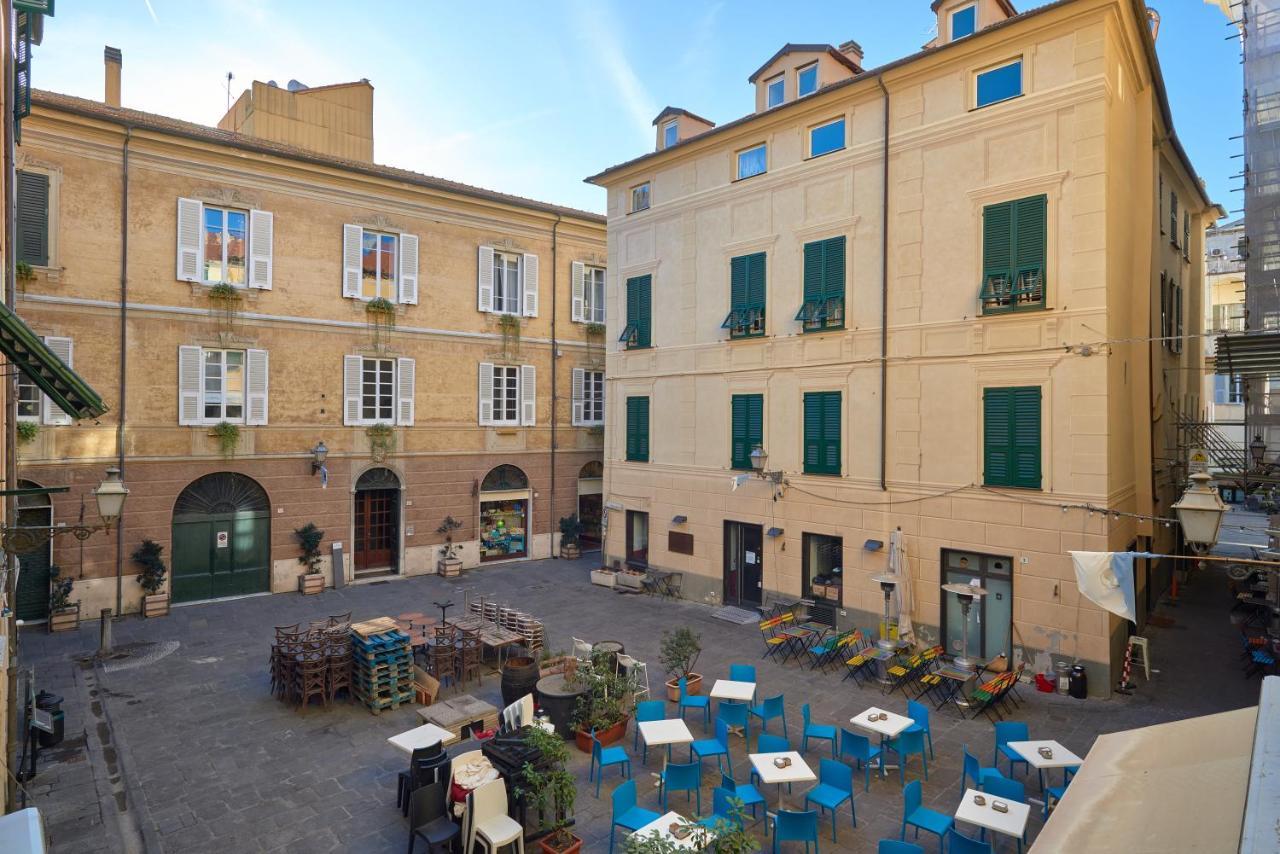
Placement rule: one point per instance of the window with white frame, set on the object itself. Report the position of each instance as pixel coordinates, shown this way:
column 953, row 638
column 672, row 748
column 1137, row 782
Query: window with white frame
column 807, row 80
column 964, row 22
column 507, row 394
column 378, row 390
column 34, row 405
column 226, row 233
column 379, row 265
column 28, row 399
column 378, row 253
column 222, row 386
column 506, row 283
column 775, row 91
column 220, row 245
column 588, row 397
column 753, row 161
column 670, row 133
column 640, row 197
column 588, row 293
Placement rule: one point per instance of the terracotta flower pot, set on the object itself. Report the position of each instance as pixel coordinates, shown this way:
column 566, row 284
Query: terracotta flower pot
column 693, row 684
column 560, row 843
column 615, row 733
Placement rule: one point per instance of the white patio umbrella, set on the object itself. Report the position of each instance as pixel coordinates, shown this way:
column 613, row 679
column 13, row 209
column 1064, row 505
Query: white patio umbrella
column 899, row 566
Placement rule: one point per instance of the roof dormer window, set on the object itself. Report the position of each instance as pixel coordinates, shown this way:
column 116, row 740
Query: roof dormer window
column 964, row 21
column 775, row 91
column 807, row 80
column 670, row 133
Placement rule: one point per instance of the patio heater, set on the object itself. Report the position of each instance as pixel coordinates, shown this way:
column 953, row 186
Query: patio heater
column 888, row 583
column 966, row 593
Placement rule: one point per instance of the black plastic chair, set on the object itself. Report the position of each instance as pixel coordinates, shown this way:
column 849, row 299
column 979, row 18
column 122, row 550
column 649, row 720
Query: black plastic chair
column 429, row 818
column 419, row 756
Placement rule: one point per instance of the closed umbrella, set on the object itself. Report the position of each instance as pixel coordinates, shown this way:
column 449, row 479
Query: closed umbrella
column 899, row 565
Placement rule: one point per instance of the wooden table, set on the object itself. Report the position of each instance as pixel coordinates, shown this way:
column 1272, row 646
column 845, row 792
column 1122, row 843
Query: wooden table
column 1030, row 751
column 695, row 841
column 419, row 737
column 797, row 772
column 492, row 635
column 1012, row 823
column 889, row 728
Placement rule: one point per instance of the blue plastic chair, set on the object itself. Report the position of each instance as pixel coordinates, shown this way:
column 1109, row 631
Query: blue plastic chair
column 602, row 757
column 772, row 707
column 626, row 814
column 835, row 786
column 648, row 710
column 1052, row 795
column 745, row 792
column 791, row 826
column 958, row 844
column 908, row 744
column 812, row 730
column 1007, row 790
column 1007, row 731
column 860, row 749
column 919, row 713
column 736, row 715
column 893, row 846
column 721, row 809
column 742, row 673
column 767, row 743
column 692, row 701
column 717, row 747
column 921, row 817
column 974, row 771
column 681, row 777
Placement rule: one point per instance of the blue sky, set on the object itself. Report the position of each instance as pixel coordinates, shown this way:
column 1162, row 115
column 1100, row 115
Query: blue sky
column 531, row 97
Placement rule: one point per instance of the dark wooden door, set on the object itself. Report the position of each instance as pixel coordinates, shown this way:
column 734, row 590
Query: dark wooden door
column 376, row 528
column 33, row 573
column 743, row 564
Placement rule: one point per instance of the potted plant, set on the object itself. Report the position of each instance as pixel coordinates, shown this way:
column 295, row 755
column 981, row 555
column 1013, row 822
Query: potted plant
column 604, row 576
column 678, row 654
column 27, row 431
column 570, row 537
column 627, row 577
column 309, row 537
column 449, row 564
column 382, row 441
column 64, row 615
column 228, row 436
column 550, row 792
column 148, row 555
column 605, row 706
column 723, row 837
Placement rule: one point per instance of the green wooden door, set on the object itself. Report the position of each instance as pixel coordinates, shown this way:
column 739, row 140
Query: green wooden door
column 33, row 575
column 221, row 539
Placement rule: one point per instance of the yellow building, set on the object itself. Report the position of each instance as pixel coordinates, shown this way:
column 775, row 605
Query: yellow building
column 290, row 333
column 954, row 323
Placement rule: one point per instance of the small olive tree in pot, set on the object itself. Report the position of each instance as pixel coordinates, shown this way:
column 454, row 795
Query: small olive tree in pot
column 150, row 556
column 678, row 654
column 309, row 538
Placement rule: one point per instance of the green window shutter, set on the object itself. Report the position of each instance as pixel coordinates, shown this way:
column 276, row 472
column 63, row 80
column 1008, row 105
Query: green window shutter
column 755, row 281
column 822, row 432
column 638, row 429
column 1011, row 437
column 1014, row 254
column 640, row 309
column 833, row 273
column 747, row 430
column 32, row 227
column 738, row 282
column 814, row 270
column 1031, row 231
column 997, row 241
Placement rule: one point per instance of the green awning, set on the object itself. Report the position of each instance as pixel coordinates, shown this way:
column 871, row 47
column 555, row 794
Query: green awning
column 30, row 355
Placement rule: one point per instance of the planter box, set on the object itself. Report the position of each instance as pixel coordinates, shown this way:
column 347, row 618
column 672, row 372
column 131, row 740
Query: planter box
column 570, row 552
column 449, row 568
column 604, row 577
column 630, row 580
column 693, row 685
column 613, row 734
column 311, row 584
column 156, row 605
column 65, row 619
column 573, row 848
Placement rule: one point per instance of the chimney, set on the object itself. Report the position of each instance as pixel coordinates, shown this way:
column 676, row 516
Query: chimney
column 113, row 60
column 853, row 50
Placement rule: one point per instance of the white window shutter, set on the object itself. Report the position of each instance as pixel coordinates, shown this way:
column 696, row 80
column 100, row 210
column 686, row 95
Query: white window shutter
column 261, row 236
column 528, row 395
column 404, row 392
column 190, row 214
column 529, row 273
column 484, row 279
column 352, row 377
column 256, row 383
column 579, row 311
column 352, row 251
column 409, row 269
column 579, row 399
column 486, row 393
column 189, row 376
column 53, row 414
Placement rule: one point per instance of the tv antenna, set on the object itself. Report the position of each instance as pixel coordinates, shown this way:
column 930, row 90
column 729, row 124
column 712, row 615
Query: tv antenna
column 230, row 77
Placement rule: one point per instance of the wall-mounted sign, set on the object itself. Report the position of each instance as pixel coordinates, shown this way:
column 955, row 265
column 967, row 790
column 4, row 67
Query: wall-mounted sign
column 223, row 539
column 1198, row 461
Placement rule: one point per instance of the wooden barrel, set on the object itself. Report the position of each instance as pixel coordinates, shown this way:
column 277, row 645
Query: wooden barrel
column 519, row 676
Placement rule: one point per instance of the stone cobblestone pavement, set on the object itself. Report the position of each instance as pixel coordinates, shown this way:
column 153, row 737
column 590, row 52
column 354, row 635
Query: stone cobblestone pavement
column 180, row 747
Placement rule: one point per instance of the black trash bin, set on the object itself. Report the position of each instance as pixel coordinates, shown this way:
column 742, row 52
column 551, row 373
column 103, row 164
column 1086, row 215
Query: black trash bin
column 51, row 703
column 1078, row 682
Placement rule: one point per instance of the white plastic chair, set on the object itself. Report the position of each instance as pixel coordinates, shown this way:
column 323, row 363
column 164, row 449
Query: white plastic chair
column 638, row 669
column 581, row 650
column 489, row 820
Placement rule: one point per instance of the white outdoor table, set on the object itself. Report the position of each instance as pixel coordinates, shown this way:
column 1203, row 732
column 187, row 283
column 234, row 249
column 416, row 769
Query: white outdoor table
column 797, row 772
column 1030, row 751
column 419, row 737
column 667, row 732
column 727, row 689
column 658, row 828
column 1012, row 823
column 890, row 728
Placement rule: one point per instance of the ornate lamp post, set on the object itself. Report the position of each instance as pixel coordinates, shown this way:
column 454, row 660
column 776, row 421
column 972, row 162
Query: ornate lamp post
column 966, row 593
column 110, row 495
column 1200, row 511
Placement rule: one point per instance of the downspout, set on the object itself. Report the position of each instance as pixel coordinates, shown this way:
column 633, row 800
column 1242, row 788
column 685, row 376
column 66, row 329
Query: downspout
column 884, row 295
column 124, row 354
column 555, row 358
column 11, row 409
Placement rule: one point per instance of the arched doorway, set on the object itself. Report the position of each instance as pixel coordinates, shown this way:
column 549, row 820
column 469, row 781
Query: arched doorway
column 591, row 503
column 506, row 509
column 32, row 601
column 377, row 522
column 221, row 538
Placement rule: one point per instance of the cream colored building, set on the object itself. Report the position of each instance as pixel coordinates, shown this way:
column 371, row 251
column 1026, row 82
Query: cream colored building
column 242, row 294
column 1224, row 312
column 983, row 312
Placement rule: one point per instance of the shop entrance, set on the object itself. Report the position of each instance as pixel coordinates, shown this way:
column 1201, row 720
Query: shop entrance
column 591, row 503
column 743, row 564
column 505, row 514
column 377, row 522
column 991, row 616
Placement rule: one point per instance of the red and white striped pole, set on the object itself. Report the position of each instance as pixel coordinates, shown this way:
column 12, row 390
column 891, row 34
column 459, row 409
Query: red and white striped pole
column 1126, row 686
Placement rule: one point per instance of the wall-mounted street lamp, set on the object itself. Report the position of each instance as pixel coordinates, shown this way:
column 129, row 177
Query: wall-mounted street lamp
column 1257, row 450
column 110, row 495
column 778, row 478
column 1200, row 511
column 318, row 455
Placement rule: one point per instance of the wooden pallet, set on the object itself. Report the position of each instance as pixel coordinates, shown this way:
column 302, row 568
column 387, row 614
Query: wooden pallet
column 377, row 703
column 374, row 627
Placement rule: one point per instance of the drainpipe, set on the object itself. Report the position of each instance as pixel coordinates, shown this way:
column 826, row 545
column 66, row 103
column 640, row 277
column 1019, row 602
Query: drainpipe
column 555, row 358
column 11, row 407
column 124, row 354
column 884, row 296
